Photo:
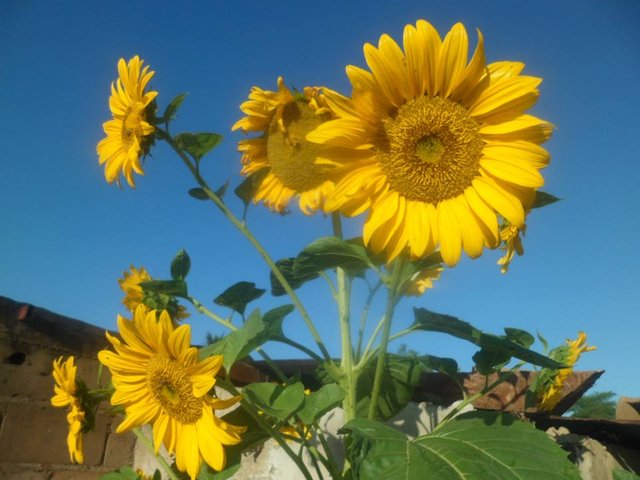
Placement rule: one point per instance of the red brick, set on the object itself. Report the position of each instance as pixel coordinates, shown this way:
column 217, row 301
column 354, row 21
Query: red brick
column 33, row 434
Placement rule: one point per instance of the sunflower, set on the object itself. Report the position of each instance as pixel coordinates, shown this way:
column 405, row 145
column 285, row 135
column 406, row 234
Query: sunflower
column 65, row 388
column 511, row 244
column 128, row 132
column 159, row 380
column 423, row 280
column 135, row 295
column 284, row 161
column 442, row 146
column 550, row 388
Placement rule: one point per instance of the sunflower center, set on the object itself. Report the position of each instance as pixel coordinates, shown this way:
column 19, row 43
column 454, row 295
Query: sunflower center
column 172, row 388
column 430, row 149
column 291, row 157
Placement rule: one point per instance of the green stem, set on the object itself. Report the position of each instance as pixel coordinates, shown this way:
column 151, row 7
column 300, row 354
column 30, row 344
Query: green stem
column 253, row 240
column 217, row 318
column 367, row 350
column 386, row 330
column 160, row 459
column 302, row 348
column 347, row 366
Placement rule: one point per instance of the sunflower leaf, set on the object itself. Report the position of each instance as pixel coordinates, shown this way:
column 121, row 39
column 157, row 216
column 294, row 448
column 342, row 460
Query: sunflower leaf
column 543, row 199
column 318, row 403
column 273, row 320
column 123, row 473
column 276, row 400
column 426, row 320
column 238, row 296
column 180, row 265
column 400, row 377
column 448, row 366
column 473, row 446
column 197, row 144
column 330, row 252
column 286, row 267
column 173, row 288
column 198, row 193
column 172, row 108
column 246, row 190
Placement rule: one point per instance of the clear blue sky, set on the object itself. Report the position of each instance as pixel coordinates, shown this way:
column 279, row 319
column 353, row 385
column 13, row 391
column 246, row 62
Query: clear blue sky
column 66, row 236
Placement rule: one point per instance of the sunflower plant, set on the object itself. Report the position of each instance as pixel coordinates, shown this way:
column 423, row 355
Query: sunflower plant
column 435, row 148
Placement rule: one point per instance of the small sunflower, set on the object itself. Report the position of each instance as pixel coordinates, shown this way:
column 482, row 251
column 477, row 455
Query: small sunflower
column 281, row 152
column 444, row 145
column 550, row 388
column 128, row 132
column 159, row 380
column 511, row 244
column 65, row 388
column 423, row 280
column 135, row 295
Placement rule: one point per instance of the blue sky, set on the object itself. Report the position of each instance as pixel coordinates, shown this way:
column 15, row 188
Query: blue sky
column 66, row 236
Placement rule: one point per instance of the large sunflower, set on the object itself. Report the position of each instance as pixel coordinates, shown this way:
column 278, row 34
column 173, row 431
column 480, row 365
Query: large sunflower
column 287, row 162
column 128, row 132
column 159, row 380
column 446, row 145
column 65, row 389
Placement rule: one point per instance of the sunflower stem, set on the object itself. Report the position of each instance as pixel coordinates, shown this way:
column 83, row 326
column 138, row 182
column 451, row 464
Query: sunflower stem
column 392, row 291
column 159, row 458
column 205, row 311
column 240, row 225
column 363, row 318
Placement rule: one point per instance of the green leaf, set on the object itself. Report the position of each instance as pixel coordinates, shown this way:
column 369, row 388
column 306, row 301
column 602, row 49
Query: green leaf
column 330, row 252
column 197, row 145
column 490, row 361
column 180, row 265
column 239, row 343
column 124, row 473
column 273, row 321
column 174, row 288
column 238, row 296
column 448, row 366
column 438, row 322
column 543, row 341
column 199, row 193
column 624, row 475
column 318, row 403
column 172, row 108
column 521, row 337
column 543, row 199
column 399, row 379
column 286, row 266
column 246, row 190
column 276, row 400
column 474, row 446
column 220, row 192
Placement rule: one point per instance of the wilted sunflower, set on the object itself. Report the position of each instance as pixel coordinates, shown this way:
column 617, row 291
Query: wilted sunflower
column 159, row 380
column 287, row 161
column 128, row 132
column 552, row 381
column 511, row 244
column 448, row 145
column 135, row 296
column 65, row 388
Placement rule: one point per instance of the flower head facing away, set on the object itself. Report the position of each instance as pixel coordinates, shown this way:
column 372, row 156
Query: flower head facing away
column 444, row 145
column 136, row 296
column 159, row 380
column 549, row 391
column 65, row 389
column 128, row 133
column 281, row 152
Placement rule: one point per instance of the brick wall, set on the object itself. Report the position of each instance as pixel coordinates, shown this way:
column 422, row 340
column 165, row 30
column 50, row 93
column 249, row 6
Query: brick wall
column 32, row 432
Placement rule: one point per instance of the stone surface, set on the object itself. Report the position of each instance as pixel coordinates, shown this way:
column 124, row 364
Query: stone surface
column 9, row 471
column 76, row 475
column 628, row 408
